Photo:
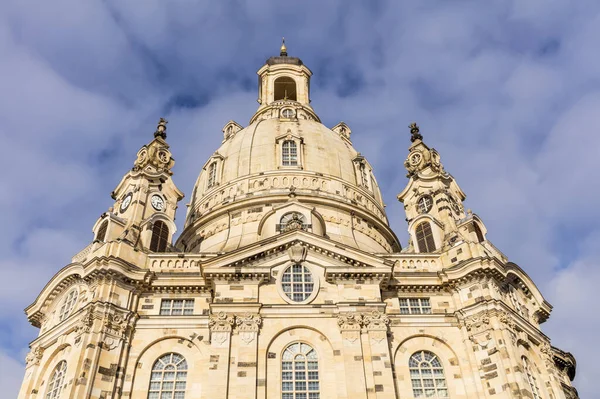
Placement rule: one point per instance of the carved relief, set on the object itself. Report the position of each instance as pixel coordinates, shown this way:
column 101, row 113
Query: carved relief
column 248, row 326
column 34, row 356
column 375, row 323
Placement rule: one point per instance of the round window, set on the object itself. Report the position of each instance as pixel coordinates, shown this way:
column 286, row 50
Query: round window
column 297, row 283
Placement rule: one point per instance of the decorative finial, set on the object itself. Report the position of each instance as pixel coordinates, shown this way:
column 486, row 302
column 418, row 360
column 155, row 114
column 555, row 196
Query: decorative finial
column 283, row 49
column 414, row 131
column 161, row 129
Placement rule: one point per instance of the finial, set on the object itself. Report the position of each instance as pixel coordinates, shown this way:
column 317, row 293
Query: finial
column 161, row 129
column 414, row 131
column 283, row 49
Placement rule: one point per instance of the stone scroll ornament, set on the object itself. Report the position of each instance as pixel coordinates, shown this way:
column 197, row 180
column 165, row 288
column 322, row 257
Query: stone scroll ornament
column 248, row 326
column 220, row 326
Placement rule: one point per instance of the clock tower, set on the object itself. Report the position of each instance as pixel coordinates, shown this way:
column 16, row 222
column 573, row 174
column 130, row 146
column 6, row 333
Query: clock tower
column 433, row 202
column 145, row 200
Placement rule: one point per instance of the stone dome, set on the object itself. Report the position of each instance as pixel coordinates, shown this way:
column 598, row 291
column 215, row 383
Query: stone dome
column 285, row 171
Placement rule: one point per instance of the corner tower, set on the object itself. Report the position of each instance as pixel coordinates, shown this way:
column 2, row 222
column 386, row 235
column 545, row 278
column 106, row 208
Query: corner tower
column 433, row 202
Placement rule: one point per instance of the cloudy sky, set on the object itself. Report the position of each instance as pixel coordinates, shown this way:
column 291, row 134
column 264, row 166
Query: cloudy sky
column 507, row 91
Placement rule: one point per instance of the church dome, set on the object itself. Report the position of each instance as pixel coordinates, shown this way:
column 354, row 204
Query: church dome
column 286, row 170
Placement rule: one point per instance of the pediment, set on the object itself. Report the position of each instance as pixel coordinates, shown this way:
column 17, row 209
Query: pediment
column 339, row 261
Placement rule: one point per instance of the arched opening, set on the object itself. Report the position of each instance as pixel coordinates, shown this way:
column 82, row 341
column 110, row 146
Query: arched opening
column 160, row 237
column 57, row 381
column 299, row 372
column 285, row 89
column 478, row 232
column 102, row 231
column 168, row 378
column 427, row 375
column 425, row 240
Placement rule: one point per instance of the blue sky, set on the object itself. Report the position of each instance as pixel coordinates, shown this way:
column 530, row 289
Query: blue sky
column 507, row 91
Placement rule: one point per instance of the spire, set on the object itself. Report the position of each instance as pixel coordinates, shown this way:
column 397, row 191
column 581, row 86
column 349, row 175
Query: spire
column 283, row 49
column 414, row 131
column 161, row 129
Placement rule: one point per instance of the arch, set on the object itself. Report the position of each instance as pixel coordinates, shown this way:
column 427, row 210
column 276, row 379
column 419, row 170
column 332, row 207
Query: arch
column 142, row 361
column 448, row 358
column 270, row 366
column 160, row 236
column 101, row 234
column 285, row 89
column 424, row 237
column 58, row 355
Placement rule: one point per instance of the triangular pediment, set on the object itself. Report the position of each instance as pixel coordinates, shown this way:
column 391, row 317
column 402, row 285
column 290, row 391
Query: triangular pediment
column 340, row 262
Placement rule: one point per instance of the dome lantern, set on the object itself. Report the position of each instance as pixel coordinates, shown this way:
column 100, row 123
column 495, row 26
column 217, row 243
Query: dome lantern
column 284, row 81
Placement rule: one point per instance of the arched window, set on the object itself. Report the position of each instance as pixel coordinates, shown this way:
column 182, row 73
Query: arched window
column 299, row 372
column 478, row 232
column 289, row 153
column 212, row 174
column 514, row 298
column 285, row 89
column 160, row 237
column 67, row 305
column 102, row 231
column 168, row 377
column 531, row 379
column 427, row 376
column 57, row 380
column 425, row 238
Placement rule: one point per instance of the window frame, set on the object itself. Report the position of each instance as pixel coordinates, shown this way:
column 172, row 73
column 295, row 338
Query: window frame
column 211, row 180
column 292, row 148
column 166, row 369
column 531, row 378
column 412, row 308
column 415, row 370
column 424, row 237
column 187, row 304
column 55, row 386
column 68, row 304
column 299, row 381
column 159, row 239
column 282, row 290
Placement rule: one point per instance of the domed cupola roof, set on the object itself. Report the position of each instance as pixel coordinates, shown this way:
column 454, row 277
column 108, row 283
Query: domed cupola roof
column 285, row 167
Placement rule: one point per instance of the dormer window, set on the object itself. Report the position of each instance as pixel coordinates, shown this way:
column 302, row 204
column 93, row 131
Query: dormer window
column 289, row 153
column 212, row 174
column 285, row 89
column 364, row 175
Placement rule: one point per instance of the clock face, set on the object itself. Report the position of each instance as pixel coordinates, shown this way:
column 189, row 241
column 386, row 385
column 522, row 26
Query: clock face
column 415, row 158
column 425, row 204
column 125, row 203
column 157, row 202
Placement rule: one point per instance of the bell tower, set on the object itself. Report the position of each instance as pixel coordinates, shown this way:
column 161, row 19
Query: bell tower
column 284, row 88
column 145, row 200
column 433, row 202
